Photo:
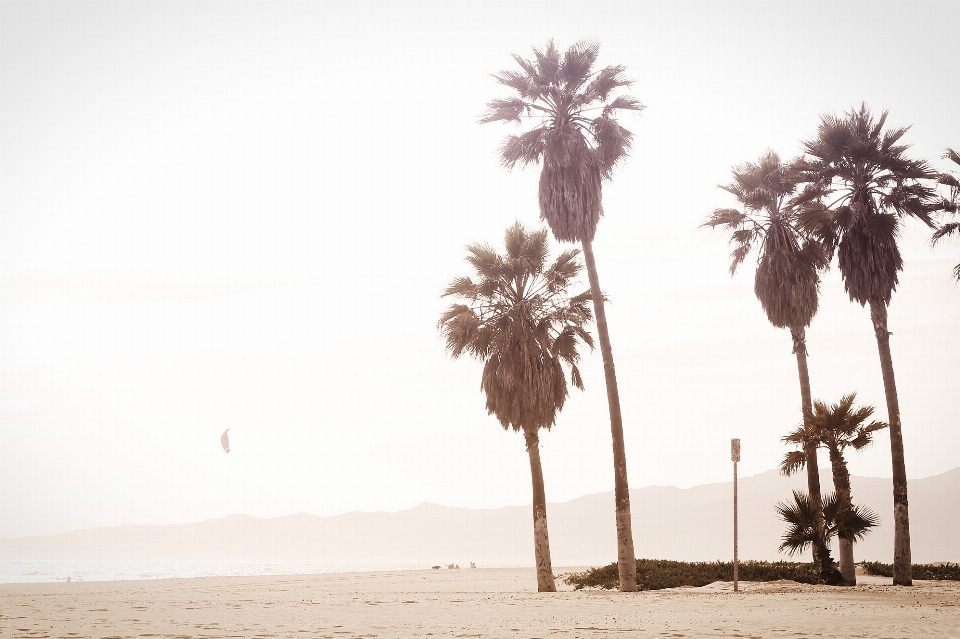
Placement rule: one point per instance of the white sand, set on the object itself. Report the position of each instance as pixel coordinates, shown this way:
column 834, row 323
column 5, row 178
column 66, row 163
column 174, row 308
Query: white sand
column 499, row 602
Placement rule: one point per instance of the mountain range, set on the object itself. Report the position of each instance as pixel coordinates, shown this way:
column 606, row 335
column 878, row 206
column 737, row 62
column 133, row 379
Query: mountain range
column 689, row 524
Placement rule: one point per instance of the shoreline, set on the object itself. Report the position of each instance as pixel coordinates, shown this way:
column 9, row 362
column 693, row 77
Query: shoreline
column 480, row 602
column 34, row 571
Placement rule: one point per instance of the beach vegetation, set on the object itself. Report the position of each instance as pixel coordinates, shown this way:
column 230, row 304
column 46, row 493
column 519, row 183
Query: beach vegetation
column 934, row 572
column 656, row 574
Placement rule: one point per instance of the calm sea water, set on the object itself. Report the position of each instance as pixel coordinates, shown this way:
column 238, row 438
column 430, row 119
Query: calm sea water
column 49, row 571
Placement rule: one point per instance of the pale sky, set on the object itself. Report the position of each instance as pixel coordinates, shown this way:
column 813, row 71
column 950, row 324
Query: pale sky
column 242, row 215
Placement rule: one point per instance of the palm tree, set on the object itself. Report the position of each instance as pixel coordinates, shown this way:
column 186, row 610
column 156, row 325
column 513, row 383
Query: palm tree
column 787, row 280
column 838, row 515
column 579, row 142
column 520, row 320
column 871, row 186
column 950, row 205
column 837, row 427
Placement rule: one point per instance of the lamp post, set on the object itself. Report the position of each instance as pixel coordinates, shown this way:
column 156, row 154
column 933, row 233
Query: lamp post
column 735, row 457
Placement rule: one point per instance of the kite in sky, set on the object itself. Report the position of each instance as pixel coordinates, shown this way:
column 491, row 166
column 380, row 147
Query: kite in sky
column 225, row 441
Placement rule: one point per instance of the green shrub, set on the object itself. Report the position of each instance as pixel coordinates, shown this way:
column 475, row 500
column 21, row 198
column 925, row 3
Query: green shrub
column 933, row 572
column 878, row 569
column 654, row 574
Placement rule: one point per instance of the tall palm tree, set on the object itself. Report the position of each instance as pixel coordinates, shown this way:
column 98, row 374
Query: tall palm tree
column 837, row 427
column 860, row 185
column 520, row 320
column 579, row 142
column 950, row 204
column 787, row 280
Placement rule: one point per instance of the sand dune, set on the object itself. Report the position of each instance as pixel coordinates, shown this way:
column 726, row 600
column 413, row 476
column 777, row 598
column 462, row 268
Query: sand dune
column 669, row 523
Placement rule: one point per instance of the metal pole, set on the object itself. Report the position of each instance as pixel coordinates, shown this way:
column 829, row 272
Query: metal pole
column 735, row 457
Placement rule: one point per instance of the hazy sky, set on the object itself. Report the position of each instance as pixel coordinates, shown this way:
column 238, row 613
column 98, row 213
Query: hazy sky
column 241, row 215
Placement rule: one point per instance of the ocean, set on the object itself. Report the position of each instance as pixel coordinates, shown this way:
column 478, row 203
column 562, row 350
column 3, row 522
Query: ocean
column 30, row 571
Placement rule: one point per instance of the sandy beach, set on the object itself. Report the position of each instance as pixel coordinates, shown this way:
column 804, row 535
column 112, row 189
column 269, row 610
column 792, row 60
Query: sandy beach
column 499, row 602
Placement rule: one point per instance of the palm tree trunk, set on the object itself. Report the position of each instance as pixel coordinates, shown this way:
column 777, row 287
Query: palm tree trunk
column 841, row 484
column 541, row 540
column 902, row 568
column 823, row 560
column 626, row 558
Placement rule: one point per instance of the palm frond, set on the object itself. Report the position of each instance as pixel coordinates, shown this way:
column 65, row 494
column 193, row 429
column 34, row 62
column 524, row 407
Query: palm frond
column 737, row 256
column 485, row 260
column 623, row 103
column 577, row 63
column 529, row 68
column 863, row 436
column 815, row 218
column 504, row 110
column 858, row 521
column 576, row 378
column 462, row 286
column 801, row 436
column 949, row 205
column 612, row 142
column 800, row 516
column 526, row 148
column 547, row 60
column 523, row 83
column 582, row 333
column 565, row 347
column 584, row 297
column 605, row 81
column 731, row 218
column 951, row 181
column 794, row 461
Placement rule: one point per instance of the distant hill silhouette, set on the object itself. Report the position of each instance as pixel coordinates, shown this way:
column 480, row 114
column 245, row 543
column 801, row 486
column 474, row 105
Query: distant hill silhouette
column 691, row 524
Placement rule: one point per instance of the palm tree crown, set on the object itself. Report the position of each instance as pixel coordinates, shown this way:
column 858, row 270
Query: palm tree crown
column 800, row 516
column 576, row 135
column 842, row 426
column 518, row 317
column 872, row 185
column 787, row 281
column 836, row 426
